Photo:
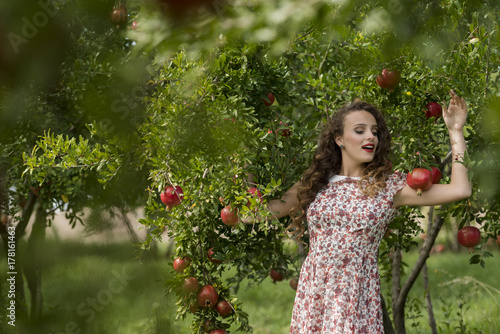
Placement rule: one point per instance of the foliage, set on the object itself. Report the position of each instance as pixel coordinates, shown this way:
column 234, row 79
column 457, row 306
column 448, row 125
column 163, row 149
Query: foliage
column 179, row 101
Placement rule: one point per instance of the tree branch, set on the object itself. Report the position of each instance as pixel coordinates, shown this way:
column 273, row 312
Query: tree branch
column 424, row 254
column 425, row 276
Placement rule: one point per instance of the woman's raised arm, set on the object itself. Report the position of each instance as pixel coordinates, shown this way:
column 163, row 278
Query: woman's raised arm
column 459, row 187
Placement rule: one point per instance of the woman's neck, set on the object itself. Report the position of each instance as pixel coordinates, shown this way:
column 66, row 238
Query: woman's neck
column 351, row 172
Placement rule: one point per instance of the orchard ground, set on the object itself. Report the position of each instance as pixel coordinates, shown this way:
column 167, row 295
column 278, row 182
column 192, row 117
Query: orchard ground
column 96, row 284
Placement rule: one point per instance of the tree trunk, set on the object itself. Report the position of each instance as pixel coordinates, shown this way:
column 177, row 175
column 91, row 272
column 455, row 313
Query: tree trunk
column 33, row 263
column 128, row 224
column 400, row 301
column 398, row 311
column 388, row 328
column 428, row 300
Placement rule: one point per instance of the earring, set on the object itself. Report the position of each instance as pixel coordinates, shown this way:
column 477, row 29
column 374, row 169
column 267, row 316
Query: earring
column 341, row 146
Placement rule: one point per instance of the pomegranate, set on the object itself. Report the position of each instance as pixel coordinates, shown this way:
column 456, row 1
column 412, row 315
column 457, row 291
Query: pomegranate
column 172, row 196
column 190, row 285
column 119, row 15
column 388, row 79
column 284, row 131
column 276, row 276
column 270, row 99
column 207, row 324
column 207, row 296
column 210, row 254
column 223, row 307
column 419, row 179
column 439, row 248
column 255, row 192
column 294, row 282
column 229, row 217
column 469, row 236
column 180, row 264
column 194, row 308
column 433, row 109
column 498, row 241
column 218, row 331
column 436, row 175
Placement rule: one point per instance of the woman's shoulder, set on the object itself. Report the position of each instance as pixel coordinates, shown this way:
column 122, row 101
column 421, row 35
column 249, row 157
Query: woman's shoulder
column 396, row 175
column 396, row 180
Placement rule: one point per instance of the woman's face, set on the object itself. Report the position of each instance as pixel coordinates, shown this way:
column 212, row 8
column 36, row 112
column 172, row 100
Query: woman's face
column 359, row 139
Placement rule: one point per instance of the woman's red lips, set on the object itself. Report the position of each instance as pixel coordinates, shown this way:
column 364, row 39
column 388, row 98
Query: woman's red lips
column 368, row 148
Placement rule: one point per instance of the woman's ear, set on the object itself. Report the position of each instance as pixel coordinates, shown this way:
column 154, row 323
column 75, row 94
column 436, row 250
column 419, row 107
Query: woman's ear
column 339, row 141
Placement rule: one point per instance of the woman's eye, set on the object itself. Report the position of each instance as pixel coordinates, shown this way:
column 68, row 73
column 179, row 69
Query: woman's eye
column 359, row 131
column 375, row 133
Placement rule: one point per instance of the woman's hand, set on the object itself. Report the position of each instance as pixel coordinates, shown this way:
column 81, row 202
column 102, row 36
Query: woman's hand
column 455, row 114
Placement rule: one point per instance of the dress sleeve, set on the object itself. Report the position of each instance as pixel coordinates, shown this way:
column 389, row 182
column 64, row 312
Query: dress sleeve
column 395, row 183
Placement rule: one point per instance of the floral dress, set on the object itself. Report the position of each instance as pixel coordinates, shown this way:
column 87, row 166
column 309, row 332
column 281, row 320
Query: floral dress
column 339, row 284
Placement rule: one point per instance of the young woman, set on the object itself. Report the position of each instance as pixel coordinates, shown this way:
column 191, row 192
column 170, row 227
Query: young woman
column 348, row 197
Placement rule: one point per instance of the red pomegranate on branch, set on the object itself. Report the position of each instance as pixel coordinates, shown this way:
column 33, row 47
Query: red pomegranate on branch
column 469, row 236
column 388, row 79
column 419, row 179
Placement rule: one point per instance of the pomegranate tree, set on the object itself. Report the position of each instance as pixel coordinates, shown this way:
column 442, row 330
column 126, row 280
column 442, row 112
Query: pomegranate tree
column 388, row 79
column 207, row 296
column 223, row 308
column 283, row 130
column 180, row 264
column 211, row 254
column 172, row 196
column 419, row 179
column 469, row 236
column 119, row 15
column 433, row 109
column 218, row 331
column 270, row 99
column 255, row 193
column 229, row 217
column 194, row 308
column 436, row 175
column 190, row 285
column 276, row 275
column 439, row 248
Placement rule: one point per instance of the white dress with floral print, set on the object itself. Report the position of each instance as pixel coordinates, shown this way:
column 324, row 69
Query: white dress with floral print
column 339, row 284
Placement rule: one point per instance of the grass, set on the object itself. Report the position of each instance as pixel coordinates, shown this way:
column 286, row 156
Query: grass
column 101, row 289
column 466, row 298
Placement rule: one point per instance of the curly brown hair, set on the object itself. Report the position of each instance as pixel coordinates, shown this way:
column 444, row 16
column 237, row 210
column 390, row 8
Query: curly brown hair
column 327, row 161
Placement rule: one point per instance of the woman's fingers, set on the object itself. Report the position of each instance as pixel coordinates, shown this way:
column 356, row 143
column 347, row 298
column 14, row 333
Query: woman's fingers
column 464, row 104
